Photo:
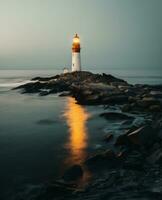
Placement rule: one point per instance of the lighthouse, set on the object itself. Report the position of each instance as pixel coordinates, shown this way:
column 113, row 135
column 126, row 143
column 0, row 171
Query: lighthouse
column 76, row 59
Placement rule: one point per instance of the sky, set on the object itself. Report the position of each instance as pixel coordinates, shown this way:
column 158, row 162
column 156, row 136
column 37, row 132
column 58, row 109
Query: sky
column 118, row 33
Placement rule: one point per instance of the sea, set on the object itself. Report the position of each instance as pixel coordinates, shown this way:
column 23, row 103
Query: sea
column 42, row 136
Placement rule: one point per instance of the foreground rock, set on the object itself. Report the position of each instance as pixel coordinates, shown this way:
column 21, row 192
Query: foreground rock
column 143, row 136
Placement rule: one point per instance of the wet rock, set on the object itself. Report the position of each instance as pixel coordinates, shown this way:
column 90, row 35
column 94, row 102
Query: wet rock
column 116, row 116
column 122, row 140
column 115, row 99
column 93, row 99
column 156, row 94
column 109, row 154
column 132, row 99
column 144, row 135
column 102, row 160
column 73, row 173
column 155, row 157
column 148, row 101
column 44, row 93
column 126, row 123
column 122, row 155
column 108, row 137
column 133, row 165
column 45, row 78
column 126, row 108
column 155, row 108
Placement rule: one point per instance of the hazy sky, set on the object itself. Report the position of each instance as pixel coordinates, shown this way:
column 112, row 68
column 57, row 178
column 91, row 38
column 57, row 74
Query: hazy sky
column 38, row 33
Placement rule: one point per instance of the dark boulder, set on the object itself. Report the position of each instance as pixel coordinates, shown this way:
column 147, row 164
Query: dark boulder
column 144, row 136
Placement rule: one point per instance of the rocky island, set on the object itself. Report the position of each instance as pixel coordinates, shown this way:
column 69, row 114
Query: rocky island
column 132, row 168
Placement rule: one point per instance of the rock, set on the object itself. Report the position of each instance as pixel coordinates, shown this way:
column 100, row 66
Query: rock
column 155, row 108
column 102, row 160
column 148, row 101
column 113, row 79
column 73, row 173
column 133, row 165
column 115, row 99
column 124, row 87
column 109, row 154
column 132, row 99
column 122, row 140
column 126, row 108
column 116, row 116
column 122, row 155
column 43, row 93
column 117, row 83
column 69, row 79
column 45, row 78
column 155, row 157
column 130, row 92
column 156, row 94
column 108, row 137
column 144, row 136
column 93, row 99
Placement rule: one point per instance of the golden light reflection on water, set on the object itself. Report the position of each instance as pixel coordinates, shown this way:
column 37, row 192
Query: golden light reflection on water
column 76, row 118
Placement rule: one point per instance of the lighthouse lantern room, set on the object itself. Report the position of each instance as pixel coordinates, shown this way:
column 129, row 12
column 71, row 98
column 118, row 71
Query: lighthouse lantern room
column 76, row 59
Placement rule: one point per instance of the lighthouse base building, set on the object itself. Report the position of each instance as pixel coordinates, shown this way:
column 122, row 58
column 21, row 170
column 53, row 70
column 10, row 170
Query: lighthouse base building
column 76, row 58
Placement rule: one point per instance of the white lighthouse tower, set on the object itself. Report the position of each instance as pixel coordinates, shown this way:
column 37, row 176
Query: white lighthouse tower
column 76, row 60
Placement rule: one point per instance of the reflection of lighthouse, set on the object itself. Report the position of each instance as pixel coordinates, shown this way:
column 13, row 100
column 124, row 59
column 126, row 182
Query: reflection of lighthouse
column 76, row 117
column 76, row 60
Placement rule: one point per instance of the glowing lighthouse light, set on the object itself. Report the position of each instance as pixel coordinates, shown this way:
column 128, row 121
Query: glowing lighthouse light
column 76, row 60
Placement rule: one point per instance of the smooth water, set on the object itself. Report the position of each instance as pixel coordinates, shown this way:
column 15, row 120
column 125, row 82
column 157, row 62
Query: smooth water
column 41, row 136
